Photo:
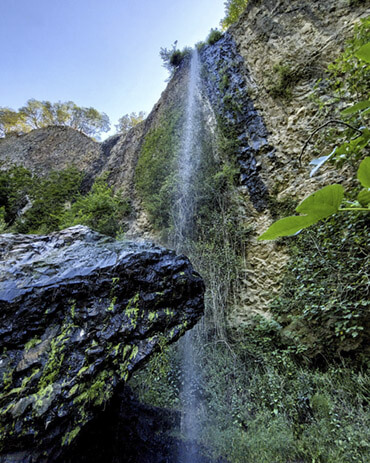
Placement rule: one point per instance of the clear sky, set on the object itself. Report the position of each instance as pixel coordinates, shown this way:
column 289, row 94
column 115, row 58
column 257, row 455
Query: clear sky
column 100, row 53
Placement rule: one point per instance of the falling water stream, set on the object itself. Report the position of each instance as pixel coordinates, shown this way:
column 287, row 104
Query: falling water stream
column 183, row 214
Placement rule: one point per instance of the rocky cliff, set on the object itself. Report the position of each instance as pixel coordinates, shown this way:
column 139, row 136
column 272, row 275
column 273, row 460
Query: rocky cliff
column 258, row 83
column 302, row 37
column 79, row 313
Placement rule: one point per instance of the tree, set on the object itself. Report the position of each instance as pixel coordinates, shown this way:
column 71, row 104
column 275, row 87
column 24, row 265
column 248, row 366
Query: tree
column 233, row 9
column 36, row 114
column 11, row 122
column 128, row 121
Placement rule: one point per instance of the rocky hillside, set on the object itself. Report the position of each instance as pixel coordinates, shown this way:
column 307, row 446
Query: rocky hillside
column 259, row 85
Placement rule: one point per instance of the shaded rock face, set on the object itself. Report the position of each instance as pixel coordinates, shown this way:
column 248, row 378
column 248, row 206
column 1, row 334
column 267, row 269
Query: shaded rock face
column 128, row 431
column 79, row 313
column 225, row 80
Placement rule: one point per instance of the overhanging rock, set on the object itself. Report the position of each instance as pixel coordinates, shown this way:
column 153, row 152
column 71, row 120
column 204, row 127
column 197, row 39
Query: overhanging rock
column 79, row 312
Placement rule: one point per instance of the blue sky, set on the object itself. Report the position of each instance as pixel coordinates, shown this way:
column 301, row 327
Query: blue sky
column 100, row 53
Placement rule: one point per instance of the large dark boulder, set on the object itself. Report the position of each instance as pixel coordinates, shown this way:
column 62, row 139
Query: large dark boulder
column 79, row 312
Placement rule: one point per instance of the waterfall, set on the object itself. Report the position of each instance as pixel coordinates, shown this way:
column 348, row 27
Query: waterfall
column 189, row 158
column 183, row 214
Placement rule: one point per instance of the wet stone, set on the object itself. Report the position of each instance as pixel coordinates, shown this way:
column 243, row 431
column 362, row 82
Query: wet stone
column 79, row 312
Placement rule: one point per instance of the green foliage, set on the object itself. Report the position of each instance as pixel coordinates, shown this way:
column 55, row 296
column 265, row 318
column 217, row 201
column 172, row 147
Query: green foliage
column 348, row 77
column 284, row 78
column 54, row 202
column 47, row 197
column 128, row 121
column 101, row 209
column 233, row 10
column 317, row 206
column 172, row 58
column 214, row 36
column 155, row 171
column 323, row 306
column 36, row 114
column 15, row 184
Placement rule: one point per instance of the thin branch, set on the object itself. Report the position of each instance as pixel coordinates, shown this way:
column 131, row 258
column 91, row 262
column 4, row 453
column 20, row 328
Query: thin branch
column 332, row 121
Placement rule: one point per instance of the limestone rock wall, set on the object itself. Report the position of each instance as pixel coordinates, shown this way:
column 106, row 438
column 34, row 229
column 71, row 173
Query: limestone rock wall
column 305, row 36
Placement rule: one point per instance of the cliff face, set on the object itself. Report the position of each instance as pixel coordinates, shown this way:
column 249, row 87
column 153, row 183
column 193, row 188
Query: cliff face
column 244, row 88
column 303, row 37
column 50, row 148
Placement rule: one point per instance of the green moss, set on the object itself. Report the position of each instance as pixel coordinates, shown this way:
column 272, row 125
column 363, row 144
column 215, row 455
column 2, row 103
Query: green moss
column 169, row 312
column 7, row 379
column 70, row 436
column 43, row 399
column 56, row 356
column 31, row 343
column 134, row 352
column 73, row 310
column 73, row 390
column 132, row 309
column 97, row 391
column 152, row 316
column 110, row 308
column 27, row 379
column 156, row 168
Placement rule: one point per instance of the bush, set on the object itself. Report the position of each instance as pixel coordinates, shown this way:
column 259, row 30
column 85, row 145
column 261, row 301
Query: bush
column 101, row 209
column 172, row 58
column 214, row 36
column 54, row 202
column 285, row 77
column 47, row 198
column 323, row 304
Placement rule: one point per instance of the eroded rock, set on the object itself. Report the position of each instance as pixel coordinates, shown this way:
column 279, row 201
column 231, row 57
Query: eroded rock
column 79, row 312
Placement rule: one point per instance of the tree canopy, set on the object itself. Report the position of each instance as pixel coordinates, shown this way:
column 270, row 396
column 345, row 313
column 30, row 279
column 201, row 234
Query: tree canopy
column 233, row 9
column 128, row 121
column 36, row 114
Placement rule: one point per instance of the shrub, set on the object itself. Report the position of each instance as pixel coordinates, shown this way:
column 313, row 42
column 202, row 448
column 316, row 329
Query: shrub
column 285, row 77
column 214, row 36
column 172, row 58
column 47, row 196
column 101, row 209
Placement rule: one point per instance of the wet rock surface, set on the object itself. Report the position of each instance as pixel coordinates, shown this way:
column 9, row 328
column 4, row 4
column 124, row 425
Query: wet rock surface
column 226, row 85
column 79, row 312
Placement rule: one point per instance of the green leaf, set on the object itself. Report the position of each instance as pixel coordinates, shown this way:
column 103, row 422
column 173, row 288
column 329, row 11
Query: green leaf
column 322, row 203
column 357, row 107
column 363, row 173
column 288, row 226
column 354, row 146
column 364, row 52
column 364, row 197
